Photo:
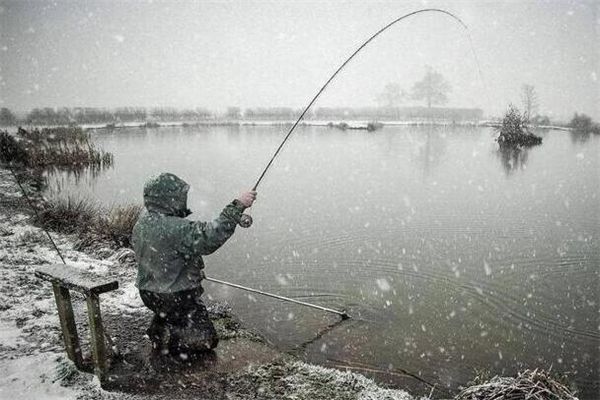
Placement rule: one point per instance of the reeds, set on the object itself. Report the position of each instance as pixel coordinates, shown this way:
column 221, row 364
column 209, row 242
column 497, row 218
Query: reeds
column 63, row 134
column 63, row 147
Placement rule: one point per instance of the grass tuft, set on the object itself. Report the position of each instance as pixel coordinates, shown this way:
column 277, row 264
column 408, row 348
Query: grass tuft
column 68, row 215
column 118, row 223
column 89, row 220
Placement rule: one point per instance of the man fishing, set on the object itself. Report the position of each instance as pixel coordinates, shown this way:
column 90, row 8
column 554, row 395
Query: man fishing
column 169, row 250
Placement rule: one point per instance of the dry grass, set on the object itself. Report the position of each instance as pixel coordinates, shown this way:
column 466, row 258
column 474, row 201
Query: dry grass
column 89, row 220
column 118, row 223
column 528, row 385
column 67, row 215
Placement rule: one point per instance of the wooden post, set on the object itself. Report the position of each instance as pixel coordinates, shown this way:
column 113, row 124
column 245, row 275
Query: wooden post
column 67, row 324
column 97, row 335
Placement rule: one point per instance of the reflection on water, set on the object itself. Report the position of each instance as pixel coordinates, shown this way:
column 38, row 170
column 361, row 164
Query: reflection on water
column 431, row 149
column 513, row 158
column 580, row 136
column 446, row 264
column 78, row 174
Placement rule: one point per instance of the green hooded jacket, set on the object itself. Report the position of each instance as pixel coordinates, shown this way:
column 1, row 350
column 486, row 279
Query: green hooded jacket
column 169, row 248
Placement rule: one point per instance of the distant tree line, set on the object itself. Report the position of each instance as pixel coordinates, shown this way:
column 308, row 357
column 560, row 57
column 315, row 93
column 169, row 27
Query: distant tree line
column 90, row 115
column 432, row 89
column 584, row 125
column 7, row 118
column 87, row 115
column 400, row 113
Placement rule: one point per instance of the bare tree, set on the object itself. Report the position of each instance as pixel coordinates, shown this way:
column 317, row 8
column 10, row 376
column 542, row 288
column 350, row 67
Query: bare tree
column 392, row 96
column 530, row 101
column 7, row 118
column 433, row 88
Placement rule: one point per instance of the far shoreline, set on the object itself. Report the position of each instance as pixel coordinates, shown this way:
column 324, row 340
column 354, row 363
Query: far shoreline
column 351, row 123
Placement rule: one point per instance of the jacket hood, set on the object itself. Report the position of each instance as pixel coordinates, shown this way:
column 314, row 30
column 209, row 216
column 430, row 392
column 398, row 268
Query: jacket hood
column 167, row 194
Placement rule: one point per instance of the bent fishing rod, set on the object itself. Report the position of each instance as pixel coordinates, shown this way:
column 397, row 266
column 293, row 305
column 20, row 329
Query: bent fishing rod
column 246, row 220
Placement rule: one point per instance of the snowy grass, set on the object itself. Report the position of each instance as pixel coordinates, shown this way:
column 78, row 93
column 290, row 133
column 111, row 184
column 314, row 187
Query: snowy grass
column 32, row 377
column 301, row 381
column 531, row 385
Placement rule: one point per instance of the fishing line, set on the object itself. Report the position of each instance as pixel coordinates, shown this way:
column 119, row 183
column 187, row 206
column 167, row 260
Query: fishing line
column 109, row 339
column 34, row 209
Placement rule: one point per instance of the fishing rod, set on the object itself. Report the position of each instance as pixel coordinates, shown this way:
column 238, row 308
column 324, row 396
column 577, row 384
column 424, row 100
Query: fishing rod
column 246, row 220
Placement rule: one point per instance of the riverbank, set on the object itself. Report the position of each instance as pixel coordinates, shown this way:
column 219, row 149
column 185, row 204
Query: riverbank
column 351, row 124
column 33, row 363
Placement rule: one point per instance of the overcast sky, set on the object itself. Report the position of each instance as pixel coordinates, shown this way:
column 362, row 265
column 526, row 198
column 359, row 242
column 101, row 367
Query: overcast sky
column 262, row 53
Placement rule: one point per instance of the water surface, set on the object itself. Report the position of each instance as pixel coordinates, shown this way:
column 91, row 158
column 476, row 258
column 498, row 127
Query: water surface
column 453, row 257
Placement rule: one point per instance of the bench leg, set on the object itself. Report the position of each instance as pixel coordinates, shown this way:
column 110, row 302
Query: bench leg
column 97, row 336
column 67, row 324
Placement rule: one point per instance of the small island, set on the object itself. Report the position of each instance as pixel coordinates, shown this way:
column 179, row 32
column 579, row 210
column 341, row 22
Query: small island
column 514, row 130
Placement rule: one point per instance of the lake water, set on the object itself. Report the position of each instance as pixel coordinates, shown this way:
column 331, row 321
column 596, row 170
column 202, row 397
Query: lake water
column 453, row 258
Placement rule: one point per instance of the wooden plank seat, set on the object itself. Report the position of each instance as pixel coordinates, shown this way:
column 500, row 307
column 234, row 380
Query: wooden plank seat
column 64, row 278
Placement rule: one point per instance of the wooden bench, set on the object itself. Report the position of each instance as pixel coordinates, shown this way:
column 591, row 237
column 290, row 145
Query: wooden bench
column 63, row 279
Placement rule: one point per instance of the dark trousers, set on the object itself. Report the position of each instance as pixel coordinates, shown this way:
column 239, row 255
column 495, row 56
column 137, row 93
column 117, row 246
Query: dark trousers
column 181, row 322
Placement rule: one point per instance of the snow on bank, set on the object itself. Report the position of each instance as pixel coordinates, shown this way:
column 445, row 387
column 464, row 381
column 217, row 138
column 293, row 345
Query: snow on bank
column 32, row 356
column 33, row 377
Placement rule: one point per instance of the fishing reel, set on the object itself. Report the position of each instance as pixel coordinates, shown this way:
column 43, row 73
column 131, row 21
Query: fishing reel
column 245, row 221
